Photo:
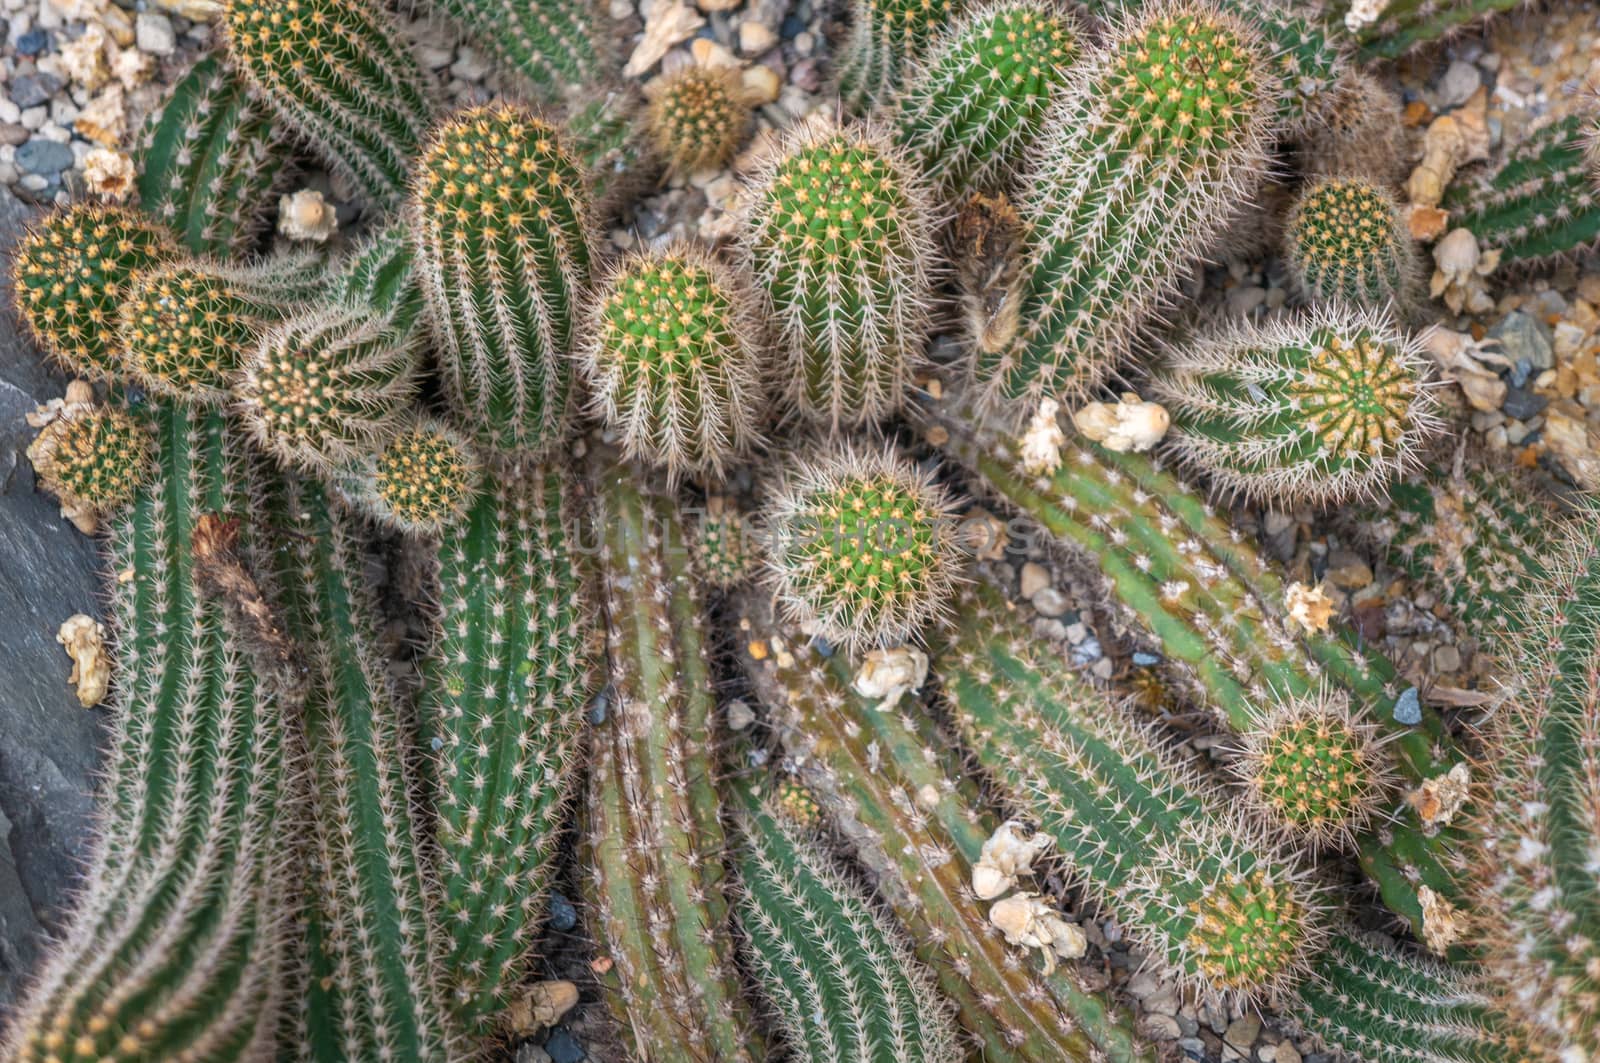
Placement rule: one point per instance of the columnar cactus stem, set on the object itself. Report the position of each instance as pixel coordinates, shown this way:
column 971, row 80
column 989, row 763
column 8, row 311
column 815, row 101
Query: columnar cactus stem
column 380, row 274
column 177, row 947
column 843, row 983
column 555, row 45
column 343, row 77
column 1346, row 241
column 1157, row 140
column 654, row 840
column 886, row 37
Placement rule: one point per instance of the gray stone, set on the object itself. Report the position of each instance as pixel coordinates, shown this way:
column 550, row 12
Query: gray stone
column 33, row 90
column 1524, row 338
column 1523, row 404
column 48, row 742
column 154, row 34
column 563, row 1047
column 13, row 134
column 44, row 157
column 1458, row 85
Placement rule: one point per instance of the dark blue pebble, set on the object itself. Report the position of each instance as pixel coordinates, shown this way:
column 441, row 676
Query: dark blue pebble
column 1523, row 404
column 563, row 1048
column 31, row 90
column 1408, row 709
column 44, row 157
column 1146, row 660
column 34, row 42
column 563, row 916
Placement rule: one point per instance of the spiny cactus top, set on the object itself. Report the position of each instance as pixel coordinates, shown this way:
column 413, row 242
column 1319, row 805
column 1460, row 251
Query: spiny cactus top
column 70, row 274
column 863, row 547
column 96, row 456
column 675, row 358
column 1315, row 409
column 885, row 37
column 839, row 236
column 422, row 478
column 500, row 220
column 1346, row 240
column 339, row 73
column 698, row 117
column 976, row 107
column 1157, row 139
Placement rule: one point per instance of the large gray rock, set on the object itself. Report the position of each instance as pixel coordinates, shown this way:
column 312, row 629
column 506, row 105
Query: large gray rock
column 48, row 742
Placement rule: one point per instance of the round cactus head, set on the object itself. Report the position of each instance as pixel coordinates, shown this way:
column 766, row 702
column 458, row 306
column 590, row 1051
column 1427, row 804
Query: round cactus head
column 422, row 479
column 792, row 800
column 863, row 548
column 93, row 457
column 1345, row 240
column 185, row 331
column 722, row 544
column 1251, row 933
column 70, row 275
column 674, row 357
column 699, row 117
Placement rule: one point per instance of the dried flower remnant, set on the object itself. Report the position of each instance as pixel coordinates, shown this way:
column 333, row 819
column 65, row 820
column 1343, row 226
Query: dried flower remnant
column 84, row 638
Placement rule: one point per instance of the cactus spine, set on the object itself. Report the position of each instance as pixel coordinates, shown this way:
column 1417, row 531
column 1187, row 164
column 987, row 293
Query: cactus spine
column 836, row 973
column 839, row 237
column 977, row 106
column 500, row 223
column 555, row 45
column 886, row 38
column 339, row 74
column 1345, row 240
column 723, row 540
column 176, row 947
column 1316, row 409
column 699, row 117
column 1151, row 148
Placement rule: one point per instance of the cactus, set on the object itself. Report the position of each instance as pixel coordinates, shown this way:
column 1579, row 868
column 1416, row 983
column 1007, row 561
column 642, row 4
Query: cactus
column 320, row 389
column 1403, row 25
column 976, row 108
column 653, row 837
column 339, row 74
column 674, row 355
column 838, row 976
column 93, row 458
column 1361, row 131
column 177, row 946
column 379, row 274
column 1317, row 409
column 1540, row 204
column 71, row 273
column 863, row 547
column 1346, row 240
column 505, row 685
column 699, row 117
column 603, row 132
column 556, row 46
column 838, row 235
column 501, row 231
column 886, row 38
column 725, row 552
column 210, row 158
column 421, row 480
column 1155, row 143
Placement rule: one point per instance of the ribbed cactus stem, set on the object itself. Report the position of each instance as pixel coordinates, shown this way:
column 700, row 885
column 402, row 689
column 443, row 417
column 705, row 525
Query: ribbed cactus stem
column 505, row 685
column 886, row 38
column 976, row 107
column 1346, row 240
column 177, row 946
column 1404, row 25
column 837, row 973
column 380, row 274
column 653, row 837
column 557, row 46
column 839, row 235
column 341, row 75
column 1159, row 138
column 500, row 223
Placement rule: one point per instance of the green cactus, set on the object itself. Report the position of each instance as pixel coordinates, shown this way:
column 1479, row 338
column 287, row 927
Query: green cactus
column 341, row 75
column 839, row 237
column 93, row 458
column 210, row 159
column 322, row 388
column 604, row 133
column 886, row 37
column 863, row 547
column 501, row 232
column 379, row 274
column 505, row 685
column 177, row 945
column 974, row 111
column 1540, row 204
column 1346, row 240
column 1316, row 409
column 842, row 983
column 71, row 273
column 1158, row 139
column 1404, row 25
column 698, row 118
column 725, row 551
column 421, row 480
column 556, row 46
column 654, row 841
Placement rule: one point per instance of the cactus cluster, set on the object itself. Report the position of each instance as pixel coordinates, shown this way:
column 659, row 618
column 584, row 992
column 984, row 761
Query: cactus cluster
column 1346, row 240
column 554, row 46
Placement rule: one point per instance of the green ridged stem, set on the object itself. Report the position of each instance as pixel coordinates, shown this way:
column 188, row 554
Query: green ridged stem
column 178, row 944
column 376, row 988
column 1161, row 134
column 340, row 74
column 557, row 46
column 505, row 685
column 500, row 225
column 842, row 982
column 917, row 823
column 211, row 159
column 653, row 839
column 1216, row 608
column 380, row 274
column 974, row 111
column 1542, row 203
column 1345, row 240
column 1404, row 25
column 886, row 37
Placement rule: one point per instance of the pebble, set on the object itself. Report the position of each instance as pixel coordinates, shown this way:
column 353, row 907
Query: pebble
column 755, row 38
column 1446, row 659
column 34, row 42
column 1458, row 84
column 43, row 156
column 1347, row 571
column 1522, row 404
column 1286, row 1053
column 34, row 90
column 563, row 916
column 13, row 134
column 1242, row 1032
column 1408, row 708
column 1524, row 338
column 1086, row 652
column 1049, row 601
column 532, row 1053
column 1146, row 660
column 1159, row 1027
column 563, row 1047
column 153, row 33
column 1035, row 578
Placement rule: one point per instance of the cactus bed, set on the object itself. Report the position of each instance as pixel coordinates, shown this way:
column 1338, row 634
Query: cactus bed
column 725, row 564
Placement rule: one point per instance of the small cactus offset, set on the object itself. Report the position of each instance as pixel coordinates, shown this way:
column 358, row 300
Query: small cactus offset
column 553, row 45
column 976, row 107
column 1317, row 409
column 699, row 117
column 675, row 358
column 342, row 76
column 93, row 458
column 725, row 547
column 839, row 236
column 421, row 480
column 71, row 274
column 886, row 37
column 862, row 548
column 1157, row 140
column 500, row 224
column 842, row 983
column 1346, row 240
